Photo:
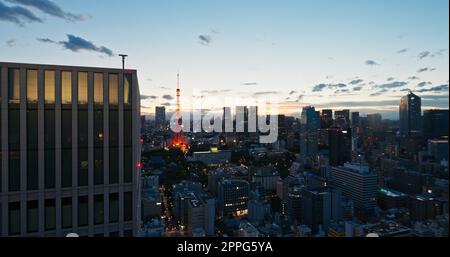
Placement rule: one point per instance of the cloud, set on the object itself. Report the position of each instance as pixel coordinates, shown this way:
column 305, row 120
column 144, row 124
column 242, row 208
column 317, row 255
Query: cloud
column 440, row 52
column 320, row 87
column 75, row 44
column 205, row 39
column 358, row 88
column 424, row 54
column 165, row 104
column 394, row 84
column 341, row 91
column 250, row 84
column 356, row 81
column 413, row 78
column 371, row 63
column 379, row 93
column 422, row 70
column 50, row 8
column 292, row 92
column 46, row 40
column 433, row 89
column 11, row 43
column 404, row 50
column 17, row 15
column 165, row 88
column 215, row 92
column 167, row 97
column 390, row 79
column 147, row 97
column 422, row 84
column 265, row 93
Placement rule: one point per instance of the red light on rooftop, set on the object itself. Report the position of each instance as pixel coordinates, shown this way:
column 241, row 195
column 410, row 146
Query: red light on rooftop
column 139, row 165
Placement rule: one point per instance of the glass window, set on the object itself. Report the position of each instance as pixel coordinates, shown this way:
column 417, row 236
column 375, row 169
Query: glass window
column 14, row 85
column 49, row 171
column 66, row 212
column 32, row 147
column 32, row 170
column 113, row 165
column 83, row 163
column 83, row 212
column 98, row 166
column 82, row 128
column 50, row 214
column 14, row 149
column 98, row 143
column 113, row 89
column 82, row 88
column 128, row 206
column 66, row 87
column 128, row 128
column 98, row 128
column 14, row 218
column 49, row 140
column 32, row 86
column 113, row 128
column 113, row 208
column 114, row 234
column 66, row 140
column 128, row 164
column 127, row 90
column 32, row 216
column 98, row 210
column 66, row 166
column 66, row 129
column 49, row 94
column 98, row 88
column 83, row 167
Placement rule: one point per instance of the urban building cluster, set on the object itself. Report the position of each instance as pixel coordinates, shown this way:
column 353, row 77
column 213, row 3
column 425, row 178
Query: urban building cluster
column 332, row 173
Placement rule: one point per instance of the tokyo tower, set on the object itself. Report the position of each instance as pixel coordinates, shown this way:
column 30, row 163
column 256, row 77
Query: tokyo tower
column 178, row 140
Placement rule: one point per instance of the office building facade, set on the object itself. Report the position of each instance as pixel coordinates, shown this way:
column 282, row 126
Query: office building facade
column 69, row 150
column 410, row 113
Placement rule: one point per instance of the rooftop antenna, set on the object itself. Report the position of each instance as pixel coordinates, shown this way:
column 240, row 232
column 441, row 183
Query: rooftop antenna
column 123, row 60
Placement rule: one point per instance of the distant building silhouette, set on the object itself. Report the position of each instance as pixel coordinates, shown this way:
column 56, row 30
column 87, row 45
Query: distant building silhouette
column 435, row 124
column 410, row 113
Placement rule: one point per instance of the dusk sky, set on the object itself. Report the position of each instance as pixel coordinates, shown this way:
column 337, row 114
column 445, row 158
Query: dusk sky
column 354, row 54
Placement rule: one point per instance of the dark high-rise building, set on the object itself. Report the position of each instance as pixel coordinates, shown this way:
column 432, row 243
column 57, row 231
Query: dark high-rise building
column 374, row 121
column 309, row 132
column 410, row 113
column 69, row 150
column 342, row 118
column 320, row 206
column 355, row 121
column 340, row 146
column 160, row 117
column 233, row 197
column 435, row 124
column 358, row 184
column 326, row 118
column 143, row 124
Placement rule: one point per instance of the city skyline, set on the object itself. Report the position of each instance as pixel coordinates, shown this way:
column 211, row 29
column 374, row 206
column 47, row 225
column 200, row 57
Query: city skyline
column 361, row 56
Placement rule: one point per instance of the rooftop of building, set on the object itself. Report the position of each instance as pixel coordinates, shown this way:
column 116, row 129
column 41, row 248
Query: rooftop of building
column 391, row 192
column 63, row 67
